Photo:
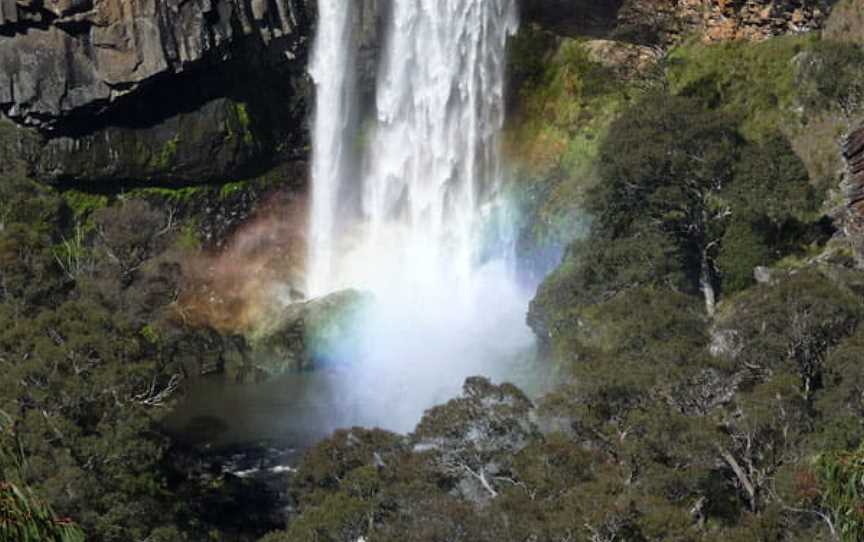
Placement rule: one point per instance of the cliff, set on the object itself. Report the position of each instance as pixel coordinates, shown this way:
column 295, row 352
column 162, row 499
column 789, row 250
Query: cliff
column 179, row 92
column 662, row 22
column 63, row 60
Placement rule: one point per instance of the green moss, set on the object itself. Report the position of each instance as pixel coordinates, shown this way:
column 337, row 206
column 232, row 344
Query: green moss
column 172, row 195
column 188, row 238
column 566, row 103
column 166, row 155
column 243, row 127
column 753, row 81
column 150, row 334
column 83, row 204
column 242, row 114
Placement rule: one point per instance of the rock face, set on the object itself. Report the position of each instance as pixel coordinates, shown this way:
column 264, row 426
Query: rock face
column 853, row 153
column 661, row 22
column 162, row 92
column 754, row 19
column 68, row 58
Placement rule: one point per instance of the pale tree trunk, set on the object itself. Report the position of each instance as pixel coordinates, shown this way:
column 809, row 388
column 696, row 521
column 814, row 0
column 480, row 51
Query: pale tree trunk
column 706, row 285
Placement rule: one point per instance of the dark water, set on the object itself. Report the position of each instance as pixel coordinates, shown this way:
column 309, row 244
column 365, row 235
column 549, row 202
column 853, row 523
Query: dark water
column 291, row 411
column 288, row 414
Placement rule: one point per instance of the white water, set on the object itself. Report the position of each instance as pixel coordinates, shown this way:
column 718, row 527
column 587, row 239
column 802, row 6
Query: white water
column 332, row 69
column 418, row 219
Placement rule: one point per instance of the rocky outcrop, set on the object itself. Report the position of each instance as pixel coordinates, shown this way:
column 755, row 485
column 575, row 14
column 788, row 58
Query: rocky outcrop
column 753, row 19
column 853, row 153
column 662, row 22
column 65, row 59
column 311, row 334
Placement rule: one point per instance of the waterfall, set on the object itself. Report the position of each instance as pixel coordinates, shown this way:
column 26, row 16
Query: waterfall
column 417, row 216
column 332, row 70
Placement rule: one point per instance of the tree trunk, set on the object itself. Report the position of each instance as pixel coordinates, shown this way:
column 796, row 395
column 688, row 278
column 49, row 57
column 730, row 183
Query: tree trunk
column 707, row 285
column 741, row 475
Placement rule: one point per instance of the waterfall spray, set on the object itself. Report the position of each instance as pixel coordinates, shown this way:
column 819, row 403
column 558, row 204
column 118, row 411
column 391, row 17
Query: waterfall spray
column 427, row 237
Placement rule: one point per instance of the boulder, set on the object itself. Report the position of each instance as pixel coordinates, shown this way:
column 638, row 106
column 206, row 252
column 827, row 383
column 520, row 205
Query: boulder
column 311, row 334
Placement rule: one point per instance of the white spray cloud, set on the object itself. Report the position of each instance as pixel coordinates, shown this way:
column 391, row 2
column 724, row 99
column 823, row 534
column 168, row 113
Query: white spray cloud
column 428, row 233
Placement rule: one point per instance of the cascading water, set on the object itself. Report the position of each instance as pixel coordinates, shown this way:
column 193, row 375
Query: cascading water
column 420, row 221
column 332, row 69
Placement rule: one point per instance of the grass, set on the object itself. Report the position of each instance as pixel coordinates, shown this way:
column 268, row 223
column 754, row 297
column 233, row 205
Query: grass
column 755, row 82
column 565, row 105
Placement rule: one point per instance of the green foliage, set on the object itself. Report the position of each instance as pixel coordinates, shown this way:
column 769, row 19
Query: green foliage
column 83, row 204
column 23, row 518
column 830, row 79
column 770, row 181
column 74, row 256
column 774, row 212
column 338, row 517
column 188, row 238
column 679, row 155
column 176, row 196
column 841, row 476
column 29, row 226
column 566, row 102
column 841, row 401
column 754, row 83
column 165, row 158
column 742, row 248
column 791, row 326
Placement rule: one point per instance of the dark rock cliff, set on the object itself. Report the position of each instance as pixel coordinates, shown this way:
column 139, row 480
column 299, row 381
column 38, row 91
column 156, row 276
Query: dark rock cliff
column 64, row 59
column 162, row 91
column 155, row 91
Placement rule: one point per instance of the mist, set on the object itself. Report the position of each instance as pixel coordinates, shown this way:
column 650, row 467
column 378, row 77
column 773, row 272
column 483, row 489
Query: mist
column 418, row 218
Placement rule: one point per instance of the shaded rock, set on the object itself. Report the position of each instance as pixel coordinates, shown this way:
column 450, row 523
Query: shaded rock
column 213, row 142
column 166, row 91
column 69, row 59
column 853, row 182
column 310, row 334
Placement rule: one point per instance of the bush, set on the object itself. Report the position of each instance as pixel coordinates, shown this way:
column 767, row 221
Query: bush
column 742, row 248
column 830, row 77
column 789, row 327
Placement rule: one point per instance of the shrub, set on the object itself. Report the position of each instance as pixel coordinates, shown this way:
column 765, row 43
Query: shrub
column 830, row 77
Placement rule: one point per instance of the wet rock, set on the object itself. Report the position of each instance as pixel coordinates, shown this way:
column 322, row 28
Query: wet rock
column 311, row 334
column 211, row 143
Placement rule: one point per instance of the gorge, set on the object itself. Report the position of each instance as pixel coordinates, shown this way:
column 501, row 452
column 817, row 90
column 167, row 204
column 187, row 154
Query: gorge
column 431, row 270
